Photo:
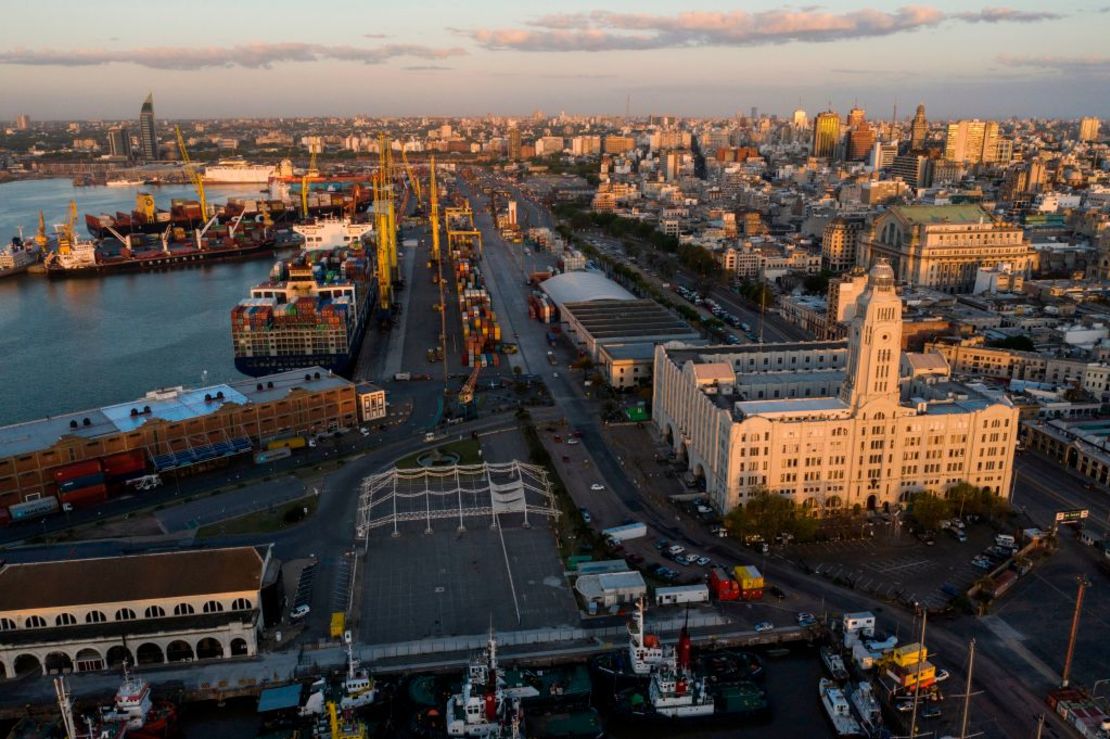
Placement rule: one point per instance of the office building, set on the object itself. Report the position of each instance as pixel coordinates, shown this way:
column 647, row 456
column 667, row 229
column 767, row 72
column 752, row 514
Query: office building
column 971, row 141
column 942, row 247
column 801, row 120
column 882, row 155
column 826, row 135
column 1088, row 129
column 870, row 445
column 861, row 139
column 919, row 130
column 856, row 117
column 148, row 135
column 23, row 122
column 119, row 142
column 912, row 168
column 840, row 242
column 841, row 300
column 618, row 144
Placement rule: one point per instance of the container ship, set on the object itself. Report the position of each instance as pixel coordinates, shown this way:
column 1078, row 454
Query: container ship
column 312, row 311
column 175, row 248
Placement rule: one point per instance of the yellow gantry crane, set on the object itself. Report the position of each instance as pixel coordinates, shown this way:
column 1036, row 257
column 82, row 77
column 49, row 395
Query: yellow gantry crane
column 194, row 176
column 437, row 263
column 40, row 237
column 381, row 224
column 69, row 234
column 433, row 203
column 413, row 181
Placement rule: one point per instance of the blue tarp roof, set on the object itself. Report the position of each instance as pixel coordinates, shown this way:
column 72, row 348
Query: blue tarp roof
column 275, row 699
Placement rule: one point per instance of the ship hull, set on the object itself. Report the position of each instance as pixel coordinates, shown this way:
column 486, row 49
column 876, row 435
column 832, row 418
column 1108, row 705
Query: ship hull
column 160, row 262
column 339, row 364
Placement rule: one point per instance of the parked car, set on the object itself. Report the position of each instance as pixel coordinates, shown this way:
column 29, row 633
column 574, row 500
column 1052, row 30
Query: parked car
column 299, row 612
column 597, row 486
column 675, row 549
column 806, row 619
column 572, row 441
column 703, row 561
column 932, row 711
column 763, row 626
column 661, row 544
column 942, row 675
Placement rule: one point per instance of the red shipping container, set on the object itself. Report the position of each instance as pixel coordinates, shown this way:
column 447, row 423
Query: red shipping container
column 125, row 463
column 77, row 469
column 85, row 496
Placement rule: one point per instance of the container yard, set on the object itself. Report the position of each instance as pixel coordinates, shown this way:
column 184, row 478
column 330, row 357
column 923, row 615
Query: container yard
column 481, row 332
column 312, row 311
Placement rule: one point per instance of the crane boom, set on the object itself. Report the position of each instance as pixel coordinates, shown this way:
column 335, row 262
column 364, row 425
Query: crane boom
column 466, row 394
column 194, row 176
column 413, row 181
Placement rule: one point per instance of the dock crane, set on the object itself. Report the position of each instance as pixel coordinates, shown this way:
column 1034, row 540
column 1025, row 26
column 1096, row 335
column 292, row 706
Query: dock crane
column 381, row 225
column 67, row 233
column 413, row 181
column 437, row 262
column 40, row 237
column 466, row 394
column 194, row 176
column 385, row 181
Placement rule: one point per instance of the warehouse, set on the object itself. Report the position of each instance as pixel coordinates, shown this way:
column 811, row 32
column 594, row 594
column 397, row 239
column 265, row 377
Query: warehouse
column 86, row 615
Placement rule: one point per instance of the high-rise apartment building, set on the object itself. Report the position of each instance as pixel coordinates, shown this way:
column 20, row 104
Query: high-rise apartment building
column 23, row 122
column 943, row 246
column 972, row 142
column 119, row 142
column 514, row 144
column 148, row 136
column 912, row 168
column 840, row 242
column 883, row 154
column 801, row 120
column 919, row 130
column 856, row 116
column 1088, row 129
column 826, row 135
column 826, row 424
column 861, row 139
column 618, row 144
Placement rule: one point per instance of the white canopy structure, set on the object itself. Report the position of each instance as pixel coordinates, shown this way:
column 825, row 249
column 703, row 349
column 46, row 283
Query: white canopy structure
column 452, row 492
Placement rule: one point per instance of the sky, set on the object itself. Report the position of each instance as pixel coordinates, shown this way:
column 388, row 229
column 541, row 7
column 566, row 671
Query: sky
column 80, row 59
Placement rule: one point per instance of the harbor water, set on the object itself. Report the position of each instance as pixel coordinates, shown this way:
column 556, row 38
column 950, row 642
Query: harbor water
column 78, row 343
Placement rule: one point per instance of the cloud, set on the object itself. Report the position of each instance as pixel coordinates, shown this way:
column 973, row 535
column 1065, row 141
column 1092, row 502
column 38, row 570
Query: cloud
column 426, row 68
column 1006, row 15
column 607, row 31
column 375, row 35
column 251, row 56
column 1090, row 64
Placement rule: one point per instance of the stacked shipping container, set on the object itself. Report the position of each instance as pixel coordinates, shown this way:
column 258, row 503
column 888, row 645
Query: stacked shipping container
column 480, row 329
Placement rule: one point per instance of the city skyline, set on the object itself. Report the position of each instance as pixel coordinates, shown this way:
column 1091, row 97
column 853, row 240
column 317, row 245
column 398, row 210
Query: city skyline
column 582, row 57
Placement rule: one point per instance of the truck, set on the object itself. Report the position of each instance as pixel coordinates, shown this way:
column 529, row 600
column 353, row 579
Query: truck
column 272, row 455
column 338, row 624
column 289, row 442
column 626, row 531
column 402, row 376
column 751, row 581
column 682, row 594
column 722, row 585
column 33, row 508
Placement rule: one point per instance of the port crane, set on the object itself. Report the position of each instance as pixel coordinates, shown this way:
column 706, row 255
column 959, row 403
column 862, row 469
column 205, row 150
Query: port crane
column 67, row 233
column 382, row 227
column 413, row 181
column 466, row 394
column 437, row 262
column 40, row 237
column 194, row 176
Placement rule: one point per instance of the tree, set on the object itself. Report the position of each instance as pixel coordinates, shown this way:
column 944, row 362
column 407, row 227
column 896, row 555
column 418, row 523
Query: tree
column 929, row 510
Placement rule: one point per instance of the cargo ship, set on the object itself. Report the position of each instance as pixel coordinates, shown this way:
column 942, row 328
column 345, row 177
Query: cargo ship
column 331, row 232
column 238, row 172
column 176, row 248
column 312, row 311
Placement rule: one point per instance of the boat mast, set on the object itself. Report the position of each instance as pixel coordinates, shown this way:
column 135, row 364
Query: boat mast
column 65, row 703
column 917, row 681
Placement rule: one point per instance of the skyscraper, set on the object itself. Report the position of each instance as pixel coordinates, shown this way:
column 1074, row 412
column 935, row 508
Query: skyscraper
column 801, row 120
column 971, row 141
column 119, row 142
column 1088, row 129
column 826, row 134
column 919, row 129
column 148, row 143
column 23, row 122
column 856, row 116
column 514, row 143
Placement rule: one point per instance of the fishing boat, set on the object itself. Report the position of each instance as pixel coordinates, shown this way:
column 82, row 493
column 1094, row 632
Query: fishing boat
column 834, row 663
column 358, row 690
column 633, row 666
column 133, row 713
column 862, row 698
column 838, row 710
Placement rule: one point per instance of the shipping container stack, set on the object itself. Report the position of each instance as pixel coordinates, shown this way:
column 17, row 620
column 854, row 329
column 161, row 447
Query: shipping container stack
column 480, row 329
column 81, row 483
column 541, row 308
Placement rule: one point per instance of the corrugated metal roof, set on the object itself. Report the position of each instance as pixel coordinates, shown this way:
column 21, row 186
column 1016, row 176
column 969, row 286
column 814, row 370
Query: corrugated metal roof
column 578, row 287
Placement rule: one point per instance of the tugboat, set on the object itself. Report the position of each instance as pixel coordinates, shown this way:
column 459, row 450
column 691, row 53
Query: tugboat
column 358, row 690
column 482, row 708
column 834, row 664
column 137, row 714
column 867, row 708
column 838, row 710
column 632, row 667
column 678, row 694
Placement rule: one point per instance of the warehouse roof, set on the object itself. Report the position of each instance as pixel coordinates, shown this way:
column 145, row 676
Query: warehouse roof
column 577, row 287
column 165, row 575
column 173, row 404
column 621, row 320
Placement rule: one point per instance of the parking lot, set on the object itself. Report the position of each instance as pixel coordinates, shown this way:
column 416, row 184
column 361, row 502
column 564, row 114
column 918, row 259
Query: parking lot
column 894, row 564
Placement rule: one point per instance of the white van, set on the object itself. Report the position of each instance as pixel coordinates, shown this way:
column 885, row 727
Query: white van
column 1005, row 540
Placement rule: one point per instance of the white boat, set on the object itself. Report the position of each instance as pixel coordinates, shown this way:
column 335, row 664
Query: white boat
column 867, row 707
column 358, row 690
column 18, row 256
column 125, row 183
column 675, row 692
column 838, row 709
column 238, row 172
column 328, row 233
column 73, row 252
column 834, row 663
column 482, row 708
